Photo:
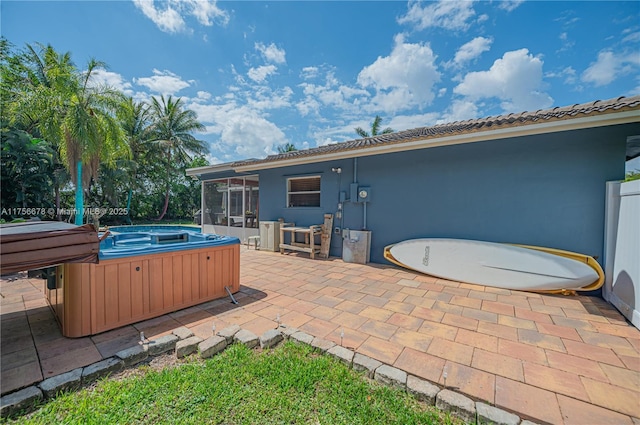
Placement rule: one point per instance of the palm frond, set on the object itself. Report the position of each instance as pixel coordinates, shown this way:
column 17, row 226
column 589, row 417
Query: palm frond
column 361, row 132
column 375, row 126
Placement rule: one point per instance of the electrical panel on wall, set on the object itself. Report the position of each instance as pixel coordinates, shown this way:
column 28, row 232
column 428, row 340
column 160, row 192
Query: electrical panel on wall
column 364, row 194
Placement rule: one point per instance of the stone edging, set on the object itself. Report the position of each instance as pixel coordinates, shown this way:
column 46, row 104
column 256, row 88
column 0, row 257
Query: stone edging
column 183, row 343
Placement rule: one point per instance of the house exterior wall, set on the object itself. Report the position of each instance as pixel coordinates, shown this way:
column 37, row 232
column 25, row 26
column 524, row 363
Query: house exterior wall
column 546, row 190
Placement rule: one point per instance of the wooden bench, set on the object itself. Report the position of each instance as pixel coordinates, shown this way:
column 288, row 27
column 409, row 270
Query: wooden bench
column 308, row 245
column 309, row 233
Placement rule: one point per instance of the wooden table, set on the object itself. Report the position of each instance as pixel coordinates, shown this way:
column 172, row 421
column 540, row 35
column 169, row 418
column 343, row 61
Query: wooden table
column 308, row 245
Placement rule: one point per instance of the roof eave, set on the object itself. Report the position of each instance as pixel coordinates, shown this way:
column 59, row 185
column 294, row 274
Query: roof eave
column 199, row 171
column 600, row 120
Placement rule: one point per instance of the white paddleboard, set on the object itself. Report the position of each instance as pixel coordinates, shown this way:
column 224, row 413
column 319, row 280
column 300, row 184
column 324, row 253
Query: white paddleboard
column 491, row 264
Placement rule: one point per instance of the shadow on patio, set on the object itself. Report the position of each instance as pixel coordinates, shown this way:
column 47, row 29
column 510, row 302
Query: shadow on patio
column 551, row 358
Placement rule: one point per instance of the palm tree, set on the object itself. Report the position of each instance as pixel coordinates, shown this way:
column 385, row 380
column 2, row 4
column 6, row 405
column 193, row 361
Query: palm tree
column 91, row 131
column 27, row 80
column 134, row 118
column 171, row 130
column 375, row 127
column 287, row 147
column 72, row 113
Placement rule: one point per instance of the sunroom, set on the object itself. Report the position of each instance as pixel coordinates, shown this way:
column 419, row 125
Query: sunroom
column 230, row 205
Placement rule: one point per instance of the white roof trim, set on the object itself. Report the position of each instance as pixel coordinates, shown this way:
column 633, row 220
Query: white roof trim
column 199, row 171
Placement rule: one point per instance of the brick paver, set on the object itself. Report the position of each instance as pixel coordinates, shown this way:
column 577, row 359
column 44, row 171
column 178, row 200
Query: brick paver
column 474, row 382
column 408, row 338
column 527, row 400
column 380, row 349
column 421, row 364
column 498, row 364
column 549, row 358
column 576, row 412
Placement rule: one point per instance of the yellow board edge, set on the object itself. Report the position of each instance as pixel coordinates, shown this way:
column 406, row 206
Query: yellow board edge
column 583, row 258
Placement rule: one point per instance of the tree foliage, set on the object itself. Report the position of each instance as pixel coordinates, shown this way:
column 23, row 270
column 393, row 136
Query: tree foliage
column 375, row 129
column 27, row 170
column 171, row 132
column 134, row 154
column 287, row 147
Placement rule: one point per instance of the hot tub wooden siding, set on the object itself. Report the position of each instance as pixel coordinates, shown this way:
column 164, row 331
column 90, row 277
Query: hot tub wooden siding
column 93, row 298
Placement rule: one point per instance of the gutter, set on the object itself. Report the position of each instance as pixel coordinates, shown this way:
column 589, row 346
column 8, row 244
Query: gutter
column 198, row 171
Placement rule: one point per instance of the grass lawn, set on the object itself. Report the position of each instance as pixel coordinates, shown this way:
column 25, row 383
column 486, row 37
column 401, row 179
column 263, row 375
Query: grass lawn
column 291, row 384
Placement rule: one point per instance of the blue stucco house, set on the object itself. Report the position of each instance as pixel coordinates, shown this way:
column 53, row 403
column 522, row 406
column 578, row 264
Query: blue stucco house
column 535, row 178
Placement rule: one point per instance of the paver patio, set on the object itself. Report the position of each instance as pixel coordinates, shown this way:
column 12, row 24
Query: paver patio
column 549, row 358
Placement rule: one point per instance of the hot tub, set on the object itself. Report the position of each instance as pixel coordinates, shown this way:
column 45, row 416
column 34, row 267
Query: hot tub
column 144, row 272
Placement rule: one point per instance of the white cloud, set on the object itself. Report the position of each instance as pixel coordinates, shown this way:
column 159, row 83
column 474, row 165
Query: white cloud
column 213, row 160
column 112, row 79
column 450, row 15
column 406, row 122
column 205, row 11
column 509, row 5
column 271, row 53
column 239, row 119
column 242, row 130
column 167, row 20
column 203, row 95
column 335, row 133
column 609, row 66
column 568, row 73
column 515, row 79
column 459, row 110
column 308, row 106
column 251, row 134
column 264, row 98
column 634, row 37
column 260, row 74
column 309, row 72
column 170, row 18
column 341, row 132
column 163, row 82
column 567, row 44
column 471, row 50
column 567, row 18
column 402, row 80
column 330, row 94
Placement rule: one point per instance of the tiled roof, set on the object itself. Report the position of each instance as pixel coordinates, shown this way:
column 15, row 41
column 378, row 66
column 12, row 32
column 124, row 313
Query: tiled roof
column 462, row 128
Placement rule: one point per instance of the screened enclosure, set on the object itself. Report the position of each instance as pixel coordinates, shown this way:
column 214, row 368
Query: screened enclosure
column 230, row 206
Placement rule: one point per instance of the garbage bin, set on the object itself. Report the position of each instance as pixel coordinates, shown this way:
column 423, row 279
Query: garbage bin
column 356, row 246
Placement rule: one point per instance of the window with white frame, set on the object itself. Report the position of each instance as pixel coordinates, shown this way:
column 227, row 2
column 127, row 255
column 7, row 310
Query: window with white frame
column 303, row 191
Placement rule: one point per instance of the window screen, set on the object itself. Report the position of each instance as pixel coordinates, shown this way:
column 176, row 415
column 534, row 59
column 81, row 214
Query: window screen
column 303, row 191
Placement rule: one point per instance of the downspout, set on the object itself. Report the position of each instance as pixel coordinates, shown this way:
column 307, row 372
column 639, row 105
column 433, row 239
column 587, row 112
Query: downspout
column 355, row 173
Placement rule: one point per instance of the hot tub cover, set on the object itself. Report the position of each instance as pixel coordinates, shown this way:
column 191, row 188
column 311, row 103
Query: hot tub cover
column 38, row 244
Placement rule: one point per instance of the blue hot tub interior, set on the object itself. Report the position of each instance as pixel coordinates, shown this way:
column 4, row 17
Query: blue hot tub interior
column 129, row 241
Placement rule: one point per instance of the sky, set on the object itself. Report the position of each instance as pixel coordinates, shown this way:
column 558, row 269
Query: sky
column 261, row 74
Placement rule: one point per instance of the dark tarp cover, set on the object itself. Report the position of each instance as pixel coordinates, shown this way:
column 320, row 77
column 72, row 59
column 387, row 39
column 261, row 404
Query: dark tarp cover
column 38, row 244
